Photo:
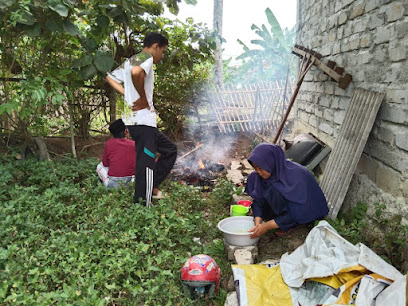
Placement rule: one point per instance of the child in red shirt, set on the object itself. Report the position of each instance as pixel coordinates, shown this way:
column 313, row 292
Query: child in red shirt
column 119, row 158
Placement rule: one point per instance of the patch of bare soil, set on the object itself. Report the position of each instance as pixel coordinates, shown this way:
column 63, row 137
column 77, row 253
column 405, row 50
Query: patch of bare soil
column 59, row 147
column 85, row 147
column 272, row 247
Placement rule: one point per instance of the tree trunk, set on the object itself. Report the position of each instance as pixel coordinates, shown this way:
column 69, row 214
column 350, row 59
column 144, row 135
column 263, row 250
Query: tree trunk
column 84, row 123
column 34, row 144
column 42, row 147
column 71, row 129
column 111, row 93
column 29, row 143
column 217, row 26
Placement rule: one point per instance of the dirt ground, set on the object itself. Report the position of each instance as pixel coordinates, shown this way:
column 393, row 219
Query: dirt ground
column 59, row 147
column 217, row 147
column 229, row 146
column 272, row 247
column 85, row 147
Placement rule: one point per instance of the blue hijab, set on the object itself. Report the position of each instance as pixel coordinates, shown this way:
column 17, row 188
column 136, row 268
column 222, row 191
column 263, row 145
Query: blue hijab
column 289, row 178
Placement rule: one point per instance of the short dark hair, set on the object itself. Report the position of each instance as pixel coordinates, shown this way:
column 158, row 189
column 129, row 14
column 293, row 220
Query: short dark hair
column 154, row 37
column 117, row 128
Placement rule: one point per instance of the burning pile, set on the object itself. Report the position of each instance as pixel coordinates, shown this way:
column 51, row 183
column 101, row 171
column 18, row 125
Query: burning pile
column 193, row 170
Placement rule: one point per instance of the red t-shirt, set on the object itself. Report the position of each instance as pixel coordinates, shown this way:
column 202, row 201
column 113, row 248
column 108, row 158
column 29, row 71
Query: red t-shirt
column 120, row 156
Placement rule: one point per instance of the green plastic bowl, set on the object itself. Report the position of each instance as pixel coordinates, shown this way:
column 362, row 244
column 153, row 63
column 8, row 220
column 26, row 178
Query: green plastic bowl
column 238, row 210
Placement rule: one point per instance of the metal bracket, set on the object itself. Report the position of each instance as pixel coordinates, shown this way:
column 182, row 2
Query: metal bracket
column 331, row 68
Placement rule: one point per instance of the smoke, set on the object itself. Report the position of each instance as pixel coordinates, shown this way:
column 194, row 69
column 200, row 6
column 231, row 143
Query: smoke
column 208, row 145
column 219, row 116
column 204, row 140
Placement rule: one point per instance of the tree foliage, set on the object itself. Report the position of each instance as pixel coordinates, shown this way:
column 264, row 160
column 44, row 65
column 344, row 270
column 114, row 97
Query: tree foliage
column 271, row 59
column 183, row 73
column 55, row 53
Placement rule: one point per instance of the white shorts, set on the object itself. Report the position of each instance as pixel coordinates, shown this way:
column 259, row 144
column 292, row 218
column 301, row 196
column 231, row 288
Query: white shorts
column 112, row 181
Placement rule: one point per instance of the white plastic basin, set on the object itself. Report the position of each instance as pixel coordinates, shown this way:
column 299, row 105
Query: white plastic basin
column 235, row 230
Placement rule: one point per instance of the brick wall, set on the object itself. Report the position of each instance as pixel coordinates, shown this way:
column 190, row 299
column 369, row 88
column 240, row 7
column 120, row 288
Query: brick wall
column 369, row 38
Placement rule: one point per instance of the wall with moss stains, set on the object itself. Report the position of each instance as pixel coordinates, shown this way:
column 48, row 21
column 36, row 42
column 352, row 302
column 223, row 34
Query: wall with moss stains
column 369, row 39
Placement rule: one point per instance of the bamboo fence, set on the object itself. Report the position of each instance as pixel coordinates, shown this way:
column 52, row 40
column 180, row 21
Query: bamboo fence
column 258, row 108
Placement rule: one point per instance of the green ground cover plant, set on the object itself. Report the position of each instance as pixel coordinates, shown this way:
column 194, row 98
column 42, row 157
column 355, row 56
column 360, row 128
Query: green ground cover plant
column 66, row 239
column 384, row 234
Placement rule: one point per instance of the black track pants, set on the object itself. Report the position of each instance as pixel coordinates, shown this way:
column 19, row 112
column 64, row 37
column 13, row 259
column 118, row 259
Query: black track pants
column 149, row 173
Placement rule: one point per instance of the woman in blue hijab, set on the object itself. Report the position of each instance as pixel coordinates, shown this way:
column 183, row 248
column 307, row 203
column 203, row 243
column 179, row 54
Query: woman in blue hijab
column 285, row 193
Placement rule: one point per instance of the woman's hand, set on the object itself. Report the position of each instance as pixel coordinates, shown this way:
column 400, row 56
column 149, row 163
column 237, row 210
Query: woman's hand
column 258, row 230
column 261, row 228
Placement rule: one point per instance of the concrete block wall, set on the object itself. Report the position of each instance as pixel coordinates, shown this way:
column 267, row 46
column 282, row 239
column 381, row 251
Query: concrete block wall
column 369, row 39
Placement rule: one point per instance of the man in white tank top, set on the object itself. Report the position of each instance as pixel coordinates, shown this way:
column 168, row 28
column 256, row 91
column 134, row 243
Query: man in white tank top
column 135, row 80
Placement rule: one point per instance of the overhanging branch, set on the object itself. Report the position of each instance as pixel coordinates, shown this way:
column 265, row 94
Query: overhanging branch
column 2, row 79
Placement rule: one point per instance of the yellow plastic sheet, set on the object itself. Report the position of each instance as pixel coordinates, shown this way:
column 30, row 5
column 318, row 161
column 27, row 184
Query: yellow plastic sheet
column 261, row 285
column 345, row 275
column 349, row 291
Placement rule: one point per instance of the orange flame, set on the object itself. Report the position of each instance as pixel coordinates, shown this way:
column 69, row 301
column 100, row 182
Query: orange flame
column 200, row 162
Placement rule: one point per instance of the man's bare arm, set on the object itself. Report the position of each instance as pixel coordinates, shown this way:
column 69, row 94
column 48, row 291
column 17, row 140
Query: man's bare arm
column 138, row 79
column 115, row 85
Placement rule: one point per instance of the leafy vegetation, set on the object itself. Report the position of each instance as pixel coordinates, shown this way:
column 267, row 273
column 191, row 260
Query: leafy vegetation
column 270, row 60
column 54, row 56
column 383, row 234
column 182, row 75
column 66, row 239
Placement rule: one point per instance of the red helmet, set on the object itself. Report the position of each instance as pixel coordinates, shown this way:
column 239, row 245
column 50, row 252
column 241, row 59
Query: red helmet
column 200, row 276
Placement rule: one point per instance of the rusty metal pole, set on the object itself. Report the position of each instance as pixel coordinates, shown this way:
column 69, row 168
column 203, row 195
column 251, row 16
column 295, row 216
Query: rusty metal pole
column 292, row 99
column 310, row 57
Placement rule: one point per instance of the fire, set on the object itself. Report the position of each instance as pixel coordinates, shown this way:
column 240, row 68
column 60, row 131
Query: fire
column 200, row 162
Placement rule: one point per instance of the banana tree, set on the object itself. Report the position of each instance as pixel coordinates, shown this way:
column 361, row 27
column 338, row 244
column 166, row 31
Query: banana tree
column 271, row 59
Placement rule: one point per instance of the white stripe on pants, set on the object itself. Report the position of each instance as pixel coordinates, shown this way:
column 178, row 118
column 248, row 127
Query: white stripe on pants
column 149, row 186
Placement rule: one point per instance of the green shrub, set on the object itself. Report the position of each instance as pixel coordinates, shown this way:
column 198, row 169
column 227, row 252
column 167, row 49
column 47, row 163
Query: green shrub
column 384, row 235
column 66, row 239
